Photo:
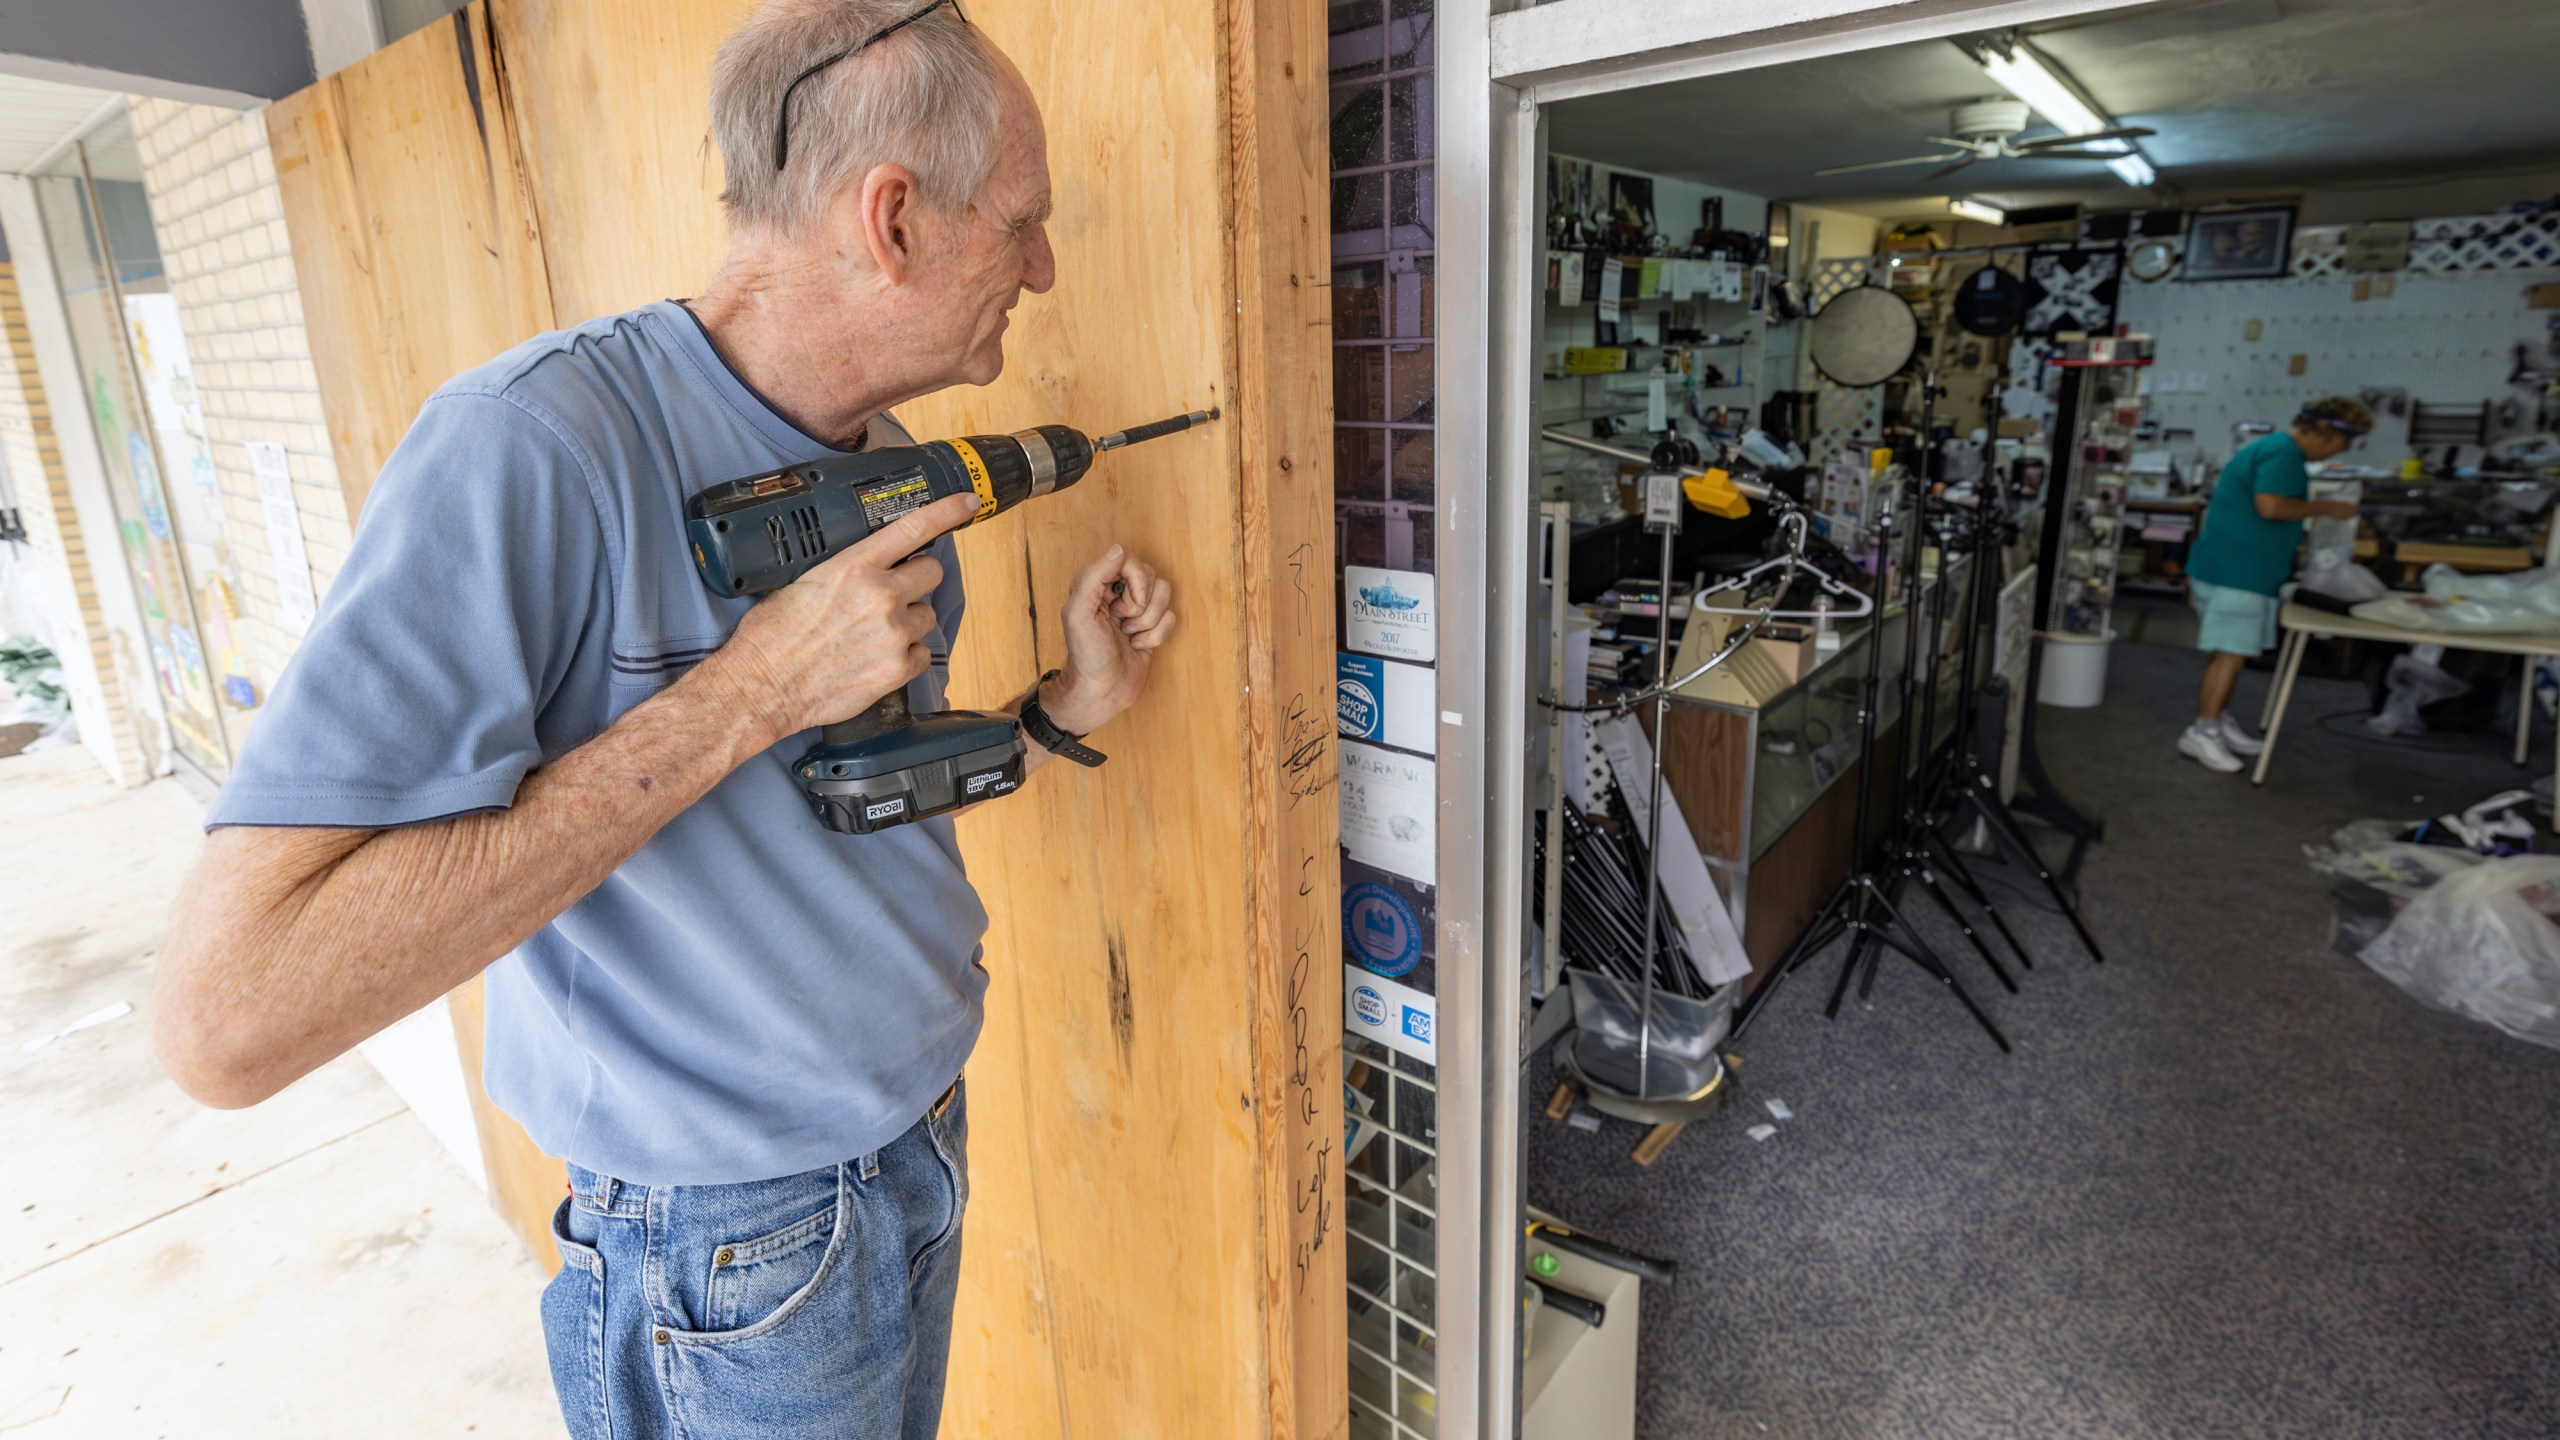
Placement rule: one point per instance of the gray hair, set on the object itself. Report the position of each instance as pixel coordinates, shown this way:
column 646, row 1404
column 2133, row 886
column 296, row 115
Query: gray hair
column 927, row 98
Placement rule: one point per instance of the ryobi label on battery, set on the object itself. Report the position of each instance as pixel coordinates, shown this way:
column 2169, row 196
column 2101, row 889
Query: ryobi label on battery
column 979, row 480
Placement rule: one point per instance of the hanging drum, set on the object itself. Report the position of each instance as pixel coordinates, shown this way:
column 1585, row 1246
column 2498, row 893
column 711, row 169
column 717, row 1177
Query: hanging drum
column 1865, row 336
column 1991, row 302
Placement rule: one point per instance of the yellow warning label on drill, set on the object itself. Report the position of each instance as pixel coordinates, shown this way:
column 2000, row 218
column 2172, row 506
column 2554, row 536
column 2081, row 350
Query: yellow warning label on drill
column 885, row 501
column 979, row 480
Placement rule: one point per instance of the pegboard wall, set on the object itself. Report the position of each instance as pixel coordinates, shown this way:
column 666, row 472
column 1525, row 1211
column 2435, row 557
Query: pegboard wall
column 2445, row 331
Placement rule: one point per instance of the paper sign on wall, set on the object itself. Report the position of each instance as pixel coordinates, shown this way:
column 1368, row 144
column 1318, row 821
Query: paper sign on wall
column 1396, row 1016
column 1389, row 612
column 1385, row 702
column 284, row 533
column 1389, row 804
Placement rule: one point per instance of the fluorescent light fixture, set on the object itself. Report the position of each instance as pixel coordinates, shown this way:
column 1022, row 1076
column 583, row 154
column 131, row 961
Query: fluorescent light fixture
column 1964, row 209
column 2133, row 170
column 2022, row 73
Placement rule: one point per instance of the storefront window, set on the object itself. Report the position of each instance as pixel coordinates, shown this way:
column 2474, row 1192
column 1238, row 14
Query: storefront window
column 138, row 388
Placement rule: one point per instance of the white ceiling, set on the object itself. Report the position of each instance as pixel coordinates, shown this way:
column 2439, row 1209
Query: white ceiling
column 2267, row 95
column 37, row 115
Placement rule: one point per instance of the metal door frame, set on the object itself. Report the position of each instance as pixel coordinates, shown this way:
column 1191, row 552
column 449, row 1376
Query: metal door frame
column 1500, row 63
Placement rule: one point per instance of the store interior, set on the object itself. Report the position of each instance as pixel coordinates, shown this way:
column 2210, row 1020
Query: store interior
column 2002, row 1069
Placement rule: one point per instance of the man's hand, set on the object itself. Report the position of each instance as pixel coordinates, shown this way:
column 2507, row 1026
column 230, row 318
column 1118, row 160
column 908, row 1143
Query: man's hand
column 2338, row 509
column 1119, row 613
column 826, row 646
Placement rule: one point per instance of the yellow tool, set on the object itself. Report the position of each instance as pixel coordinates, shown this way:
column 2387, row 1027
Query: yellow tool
column 1715, row 493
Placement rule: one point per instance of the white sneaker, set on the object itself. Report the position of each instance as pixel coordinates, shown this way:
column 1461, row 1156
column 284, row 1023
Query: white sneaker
column 2237, row 739
column 2204, row 746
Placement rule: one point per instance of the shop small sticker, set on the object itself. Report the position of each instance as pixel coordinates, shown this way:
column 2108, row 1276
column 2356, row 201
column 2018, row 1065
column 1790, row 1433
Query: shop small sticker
column 1369, row 1005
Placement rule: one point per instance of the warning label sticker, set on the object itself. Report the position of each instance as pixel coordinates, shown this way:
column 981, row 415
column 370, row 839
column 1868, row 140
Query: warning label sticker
column 888, row 499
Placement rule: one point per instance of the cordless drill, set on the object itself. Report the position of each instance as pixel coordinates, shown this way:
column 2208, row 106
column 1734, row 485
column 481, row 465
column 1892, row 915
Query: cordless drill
column 887, row 766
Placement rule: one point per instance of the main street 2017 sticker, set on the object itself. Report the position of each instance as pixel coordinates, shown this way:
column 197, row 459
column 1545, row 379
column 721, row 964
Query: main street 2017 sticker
column 1380, row 930
column 1389, row 612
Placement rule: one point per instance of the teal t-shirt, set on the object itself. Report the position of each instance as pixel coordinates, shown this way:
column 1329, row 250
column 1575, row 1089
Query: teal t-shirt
column 2238, row 547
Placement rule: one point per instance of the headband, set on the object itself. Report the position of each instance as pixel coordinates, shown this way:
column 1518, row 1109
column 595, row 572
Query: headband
column 2313, row 417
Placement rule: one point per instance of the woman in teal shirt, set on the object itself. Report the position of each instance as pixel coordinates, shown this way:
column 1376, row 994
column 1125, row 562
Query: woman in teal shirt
column 2243, row 556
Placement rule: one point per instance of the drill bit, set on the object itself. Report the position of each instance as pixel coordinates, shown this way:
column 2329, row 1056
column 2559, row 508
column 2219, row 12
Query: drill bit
column 1136, row 433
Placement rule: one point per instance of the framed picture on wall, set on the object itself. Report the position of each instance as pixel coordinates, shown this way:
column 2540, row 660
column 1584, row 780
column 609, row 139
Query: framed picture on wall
column 2239, row 245
column 1631, row 204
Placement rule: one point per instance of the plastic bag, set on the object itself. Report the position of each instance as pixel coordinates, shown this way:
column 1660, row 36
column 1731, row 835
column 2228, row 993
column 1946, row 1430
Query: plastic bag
column 2415, row 681
column 2368, row 853
column 2350, row 582
column 2526, row 602
column 2328, row 541
column 2483, row 943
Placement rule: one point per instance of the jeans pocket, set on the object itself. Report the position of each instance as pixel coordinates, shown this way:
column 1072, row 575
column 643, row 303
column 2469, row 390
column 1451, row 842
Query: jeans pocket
column 573, row 1326
column 756, row 1280
column 948, row 1134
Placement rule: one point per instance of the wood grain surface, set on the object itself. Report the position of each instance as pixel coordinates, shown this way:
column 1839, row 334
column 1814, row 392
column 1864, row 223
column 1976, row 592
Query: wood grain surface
column 1152, row 1245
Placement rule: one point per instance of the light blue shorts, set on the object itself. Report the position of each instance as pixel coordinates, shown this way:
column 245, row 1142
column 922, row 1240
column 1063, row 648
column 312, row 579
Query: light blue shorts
column 2236, row 622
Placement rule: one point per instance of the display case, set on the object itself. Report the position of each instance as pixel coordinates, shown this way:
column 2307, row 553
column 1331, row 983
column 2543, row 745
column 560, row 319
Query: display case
column 1751, row 777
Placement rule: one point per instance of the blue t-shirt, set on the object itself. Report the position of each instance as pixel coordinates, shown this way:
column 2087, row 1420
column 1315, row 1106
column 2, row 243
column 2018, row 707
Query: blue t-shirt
column 748, row 996
column 2238, row 547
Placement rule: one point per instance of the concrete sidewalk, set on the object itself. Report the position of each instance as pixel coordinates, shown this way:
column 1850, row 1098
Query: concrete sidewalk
column 317, row 1266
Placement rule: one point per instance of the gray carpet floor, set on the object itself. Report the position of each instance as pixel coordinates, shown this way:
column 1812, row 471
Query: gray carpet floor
column 2231, row 1184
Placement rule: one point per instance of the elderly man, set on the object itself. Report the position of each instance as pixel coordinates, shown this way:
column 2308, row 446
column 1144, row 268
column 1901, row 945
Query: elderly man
column 524, row 736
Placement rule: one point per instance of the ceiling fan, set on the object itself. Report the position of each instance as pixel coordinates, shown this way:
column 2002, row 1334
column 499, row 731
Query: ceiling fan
column 1985, row 129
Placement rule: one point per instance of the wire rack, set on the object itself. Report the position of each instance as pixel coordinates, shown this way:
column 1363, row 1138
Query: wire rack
column 1384, row 321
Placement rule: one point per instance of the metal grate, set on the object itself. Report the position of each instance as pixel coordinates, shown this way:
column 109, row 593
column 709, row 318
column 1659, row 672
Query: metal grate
column 1390, row 1198
column 1385, row 486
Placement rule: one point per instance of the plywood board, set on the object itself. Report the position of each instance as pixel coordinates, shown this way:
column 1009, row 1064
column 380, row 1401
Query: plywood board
column 1152, row 1244
column 524, row 1184
column 417, row 256
column 413, row 234
column 634, row 82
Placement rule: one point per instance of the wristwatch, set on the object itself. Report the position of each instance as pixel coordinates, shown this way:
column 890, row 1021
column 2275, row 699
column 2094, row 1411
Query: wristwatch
column 1045, row 732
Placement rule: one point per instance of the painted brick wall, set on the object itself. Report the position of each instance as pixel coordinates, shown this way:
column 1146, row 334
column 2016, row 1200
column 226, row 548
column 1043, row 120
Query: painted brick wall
column 59, row 565
column 213, row 199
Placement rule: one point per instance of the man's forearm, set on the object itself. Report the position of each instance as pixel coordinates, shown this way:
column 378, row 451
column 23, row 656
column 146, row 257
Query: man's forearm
column 286, row 952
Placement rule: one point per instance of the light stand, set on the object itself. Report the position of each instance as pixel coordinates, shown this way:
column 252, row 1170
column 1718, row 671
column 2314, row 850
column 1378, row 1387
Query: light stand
column 1910, row 850
column 1960, row 783
column 2042, row 798
column 1862, row 908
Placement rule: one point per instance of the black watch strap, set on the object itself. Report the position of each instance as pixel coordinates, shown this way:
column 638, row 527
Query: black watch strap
column 1045, row 733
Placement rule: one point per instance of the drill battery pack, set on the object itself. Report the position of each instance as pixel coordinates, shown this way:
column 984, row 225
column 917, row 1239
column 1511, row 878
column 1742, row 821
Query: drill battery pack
column 936, row 763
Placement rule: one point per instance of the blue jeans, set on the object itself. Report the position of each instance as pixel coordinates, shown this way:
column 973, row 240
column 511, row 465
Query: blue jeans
column 813, row 1305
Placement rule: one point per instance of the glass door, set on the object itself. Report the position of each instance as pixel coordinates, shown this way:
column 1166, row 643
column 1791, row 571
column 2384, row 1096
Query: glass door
column 138, row 388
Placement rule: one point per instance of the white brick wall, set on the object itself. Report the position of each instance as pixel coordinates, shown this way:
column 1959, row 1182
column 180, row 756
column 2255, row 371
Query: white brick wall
column 213, row 196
